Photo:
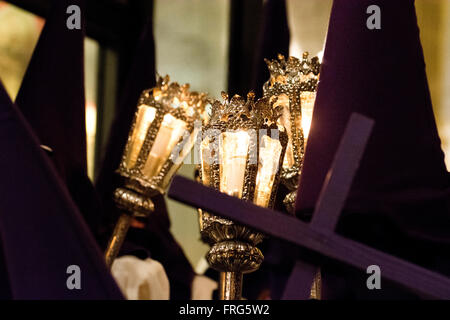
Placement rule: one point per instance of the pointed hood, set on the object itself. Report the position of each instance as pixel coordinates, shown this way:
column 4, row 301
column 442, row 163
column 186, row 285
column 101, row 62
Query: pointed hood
column 42, row 231
column 274, row 39
column 380, row 73
column 52, row 99
column 52, row 96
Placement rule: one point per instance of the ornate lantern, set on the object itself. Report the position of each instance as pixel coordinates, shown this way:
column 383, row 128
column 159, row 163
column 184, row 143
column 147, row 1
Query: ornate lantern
column 242, row 150
column 294, row 83
column 162, row 135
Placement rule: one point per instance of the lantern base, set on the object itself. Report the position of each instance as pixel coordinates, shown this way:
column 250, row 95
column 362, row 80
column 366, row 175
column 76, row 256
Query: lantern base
column 234, row 256
column 133, row 205
column 133, row 202
column 233, row 259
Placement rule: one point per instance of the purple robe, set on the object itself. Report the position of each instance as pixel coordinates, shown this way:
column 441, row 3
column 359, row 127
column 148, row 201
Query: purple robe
column 400, row 198
column 44, row 237
column 52, row 99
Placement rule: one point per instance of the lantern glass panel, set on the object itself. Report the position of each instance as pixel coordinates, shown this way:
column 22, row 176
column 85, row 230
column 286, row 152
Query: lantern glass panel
column 307, row 101
column 169, row 134
column 285, row 121
column 178, row 155
column 234, row 153
column 269, row 160
column 206, row 160
column 144, row 119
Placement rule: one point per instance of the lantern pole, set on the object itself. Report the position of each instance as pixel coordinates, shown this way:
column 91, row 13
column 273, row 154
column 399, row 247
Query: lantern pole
column 230, row 285
column 117, row 238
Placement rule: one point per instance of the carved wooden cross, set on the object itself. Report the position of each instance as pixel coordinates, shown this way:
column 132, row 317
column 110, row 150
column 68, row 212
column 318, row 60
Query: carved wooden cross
column 319, row 235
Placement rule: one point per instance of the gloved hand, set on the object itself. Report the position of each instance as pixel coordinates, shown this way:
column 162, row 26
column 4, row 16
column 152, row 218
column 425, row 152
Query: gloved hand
column 141, row 279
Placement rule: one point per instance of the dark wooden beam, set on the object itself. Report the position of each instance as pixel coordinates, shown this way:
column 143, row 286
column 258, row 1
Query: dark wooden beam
column 279, row 225
column 340, row 177
column 332, row 198
column 319, row 236
column 300, row 281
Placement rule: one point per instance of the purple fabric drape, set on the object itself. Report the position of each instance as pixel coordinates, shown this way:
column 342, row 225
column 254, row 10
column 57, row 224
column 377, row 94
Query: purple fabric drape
column 400, row 198
column 52, row 99
column 43, row 233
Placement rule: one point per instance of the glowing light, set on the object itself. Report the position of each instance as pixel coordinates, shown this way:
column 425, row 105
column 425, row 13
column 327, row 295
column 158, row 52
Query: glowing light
column 269, row 161
column 157, row 94
column 233, row 151
column 307, row 100
column 91, row 130
column 91, row 119
column 285, row 121
column 170, row 133
column 320, row 56
column 144, row 119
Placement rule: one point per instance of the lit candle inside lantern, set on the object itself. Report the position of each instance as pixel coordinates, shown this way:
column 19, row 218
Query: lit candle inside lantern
column 206, row 161
column 285, row 121
column 170, row 133
column 234, row 152
column 269, row 160
column 307, row 101
column 144, row 119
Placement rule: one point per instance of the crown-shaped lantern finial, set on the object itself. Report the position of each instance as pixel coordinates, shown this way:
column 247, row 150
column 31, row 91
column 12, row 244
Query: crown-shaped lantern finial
column 293, row 72
column 189, row 103
column 238, row 112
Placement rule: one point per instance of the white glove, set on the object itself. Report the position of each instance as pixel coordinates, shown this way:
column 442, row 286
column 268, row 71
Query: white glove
column 141, row 279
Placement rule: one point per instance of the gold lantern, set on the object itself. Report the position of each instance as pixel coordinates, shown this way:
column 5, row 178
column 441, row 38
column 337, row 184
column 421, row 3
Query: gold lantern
column 293, row 82
column 241, row 151
column 166, row 123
